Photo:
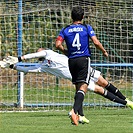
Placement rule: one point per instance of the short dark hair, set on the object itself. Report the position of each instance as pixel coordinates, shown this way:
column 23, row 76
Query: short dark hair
column 77, row 13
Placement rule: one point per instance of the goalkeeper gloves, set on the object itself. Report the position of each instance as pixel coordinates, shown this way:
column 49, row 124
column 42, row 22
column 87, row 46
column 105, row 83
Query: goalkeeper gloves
column 4, row 64
column 9, row 62
column 12, row 60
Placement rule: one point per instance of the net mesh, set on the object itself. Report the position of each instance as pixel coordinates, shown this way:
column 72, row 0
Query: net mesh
column 42, row 21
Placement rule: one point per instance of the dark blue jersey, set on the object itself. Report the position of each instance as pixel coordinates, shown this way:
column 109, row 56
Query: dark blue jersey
column 76, row 37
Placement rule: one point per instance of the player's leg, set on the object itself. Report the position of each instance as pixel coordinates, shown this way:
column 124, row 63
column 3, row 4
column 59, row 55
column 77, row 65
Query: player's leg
column 109, row 95
column 96, row 77
column 79, row 98
column 80, row 111
column 80, row 77
column 105, row 93
column 115, row 98
column 80, row 114
column 112, row 97
column 111, row 88
column 82, row 118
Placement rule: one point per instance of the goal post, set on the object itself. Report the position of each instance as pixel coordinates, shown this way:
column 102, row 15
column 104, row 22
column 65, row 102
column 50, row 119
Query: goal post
column 19, row 51
column 26, row 25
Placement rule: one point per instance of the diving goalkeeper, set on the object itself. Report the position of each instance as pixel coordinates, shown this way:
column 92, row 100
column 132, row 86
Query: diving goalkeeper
column 57, row 64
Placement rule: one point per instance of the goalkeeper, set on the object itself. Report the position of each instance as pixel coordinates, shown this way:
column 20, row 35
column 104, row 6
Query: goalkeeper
column 57, row 64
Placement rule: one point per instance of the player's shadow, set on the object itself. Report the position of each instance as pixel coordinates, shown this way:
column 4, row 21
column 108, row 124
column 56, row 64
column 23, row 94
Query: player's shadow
column 46, row 115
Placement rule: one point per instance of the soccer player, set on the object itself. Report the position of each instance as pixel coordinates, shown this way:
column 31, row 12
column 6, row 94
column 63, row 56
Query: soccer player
column 57, row 64
column 76, row 36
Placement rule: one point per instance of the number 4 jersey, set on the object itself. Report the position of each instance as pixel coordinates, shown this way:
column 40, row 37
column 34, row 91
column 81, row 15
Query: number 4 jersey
column 77, row 37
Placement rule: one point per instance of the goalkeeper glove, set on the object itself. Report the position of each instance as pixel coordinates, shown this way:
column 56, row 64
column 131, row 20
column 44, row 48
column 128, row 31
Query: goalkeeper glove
column 4, row 64
column 12, row 60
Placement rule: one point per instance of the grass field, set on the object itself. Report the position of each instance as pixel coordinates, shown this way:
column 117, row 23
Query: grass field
column 102, row 120
column 109, row 120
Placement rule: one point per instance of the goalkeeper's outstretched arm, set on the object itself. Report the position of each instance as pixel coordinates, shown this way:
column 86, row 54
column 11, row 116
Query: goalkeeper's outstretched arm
column 11, row 61
column 41, row 53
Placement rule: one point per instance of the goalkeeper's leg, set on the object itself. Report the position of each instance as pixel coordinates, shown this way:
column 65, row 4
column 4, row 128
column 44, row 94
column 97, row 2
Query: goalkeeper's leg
column 112, row 97
column 109, row 95
column 111, row 88
column 115, row 91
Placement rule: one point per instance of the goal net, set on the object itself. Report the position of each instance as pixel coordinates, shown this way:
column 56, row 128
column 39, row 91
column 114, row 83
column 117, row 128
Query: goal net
column 26, row 25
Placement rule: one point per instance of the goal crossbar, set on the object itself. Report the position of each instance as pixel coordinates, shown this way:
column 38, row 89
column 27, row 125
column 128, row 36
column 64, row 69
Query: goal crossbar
column 92, row 64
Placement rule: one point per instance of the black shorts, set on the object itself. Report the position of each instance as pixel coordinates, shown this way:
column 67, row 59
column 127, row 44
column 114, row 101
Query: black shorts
column 80, row 69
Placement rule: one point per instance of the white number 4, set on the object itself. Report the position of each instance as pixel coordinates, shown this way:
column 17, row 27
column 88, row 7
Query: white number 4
column 76, row 41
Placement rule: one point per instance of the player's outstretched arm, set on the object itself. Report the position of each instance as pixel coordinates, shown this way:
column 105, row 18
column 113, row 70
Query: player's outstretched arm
column 14, row 60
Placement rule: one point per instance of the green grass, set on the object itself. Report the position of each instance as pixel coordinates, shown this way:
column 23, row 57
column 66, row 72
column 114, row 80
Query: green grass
column 109, row 120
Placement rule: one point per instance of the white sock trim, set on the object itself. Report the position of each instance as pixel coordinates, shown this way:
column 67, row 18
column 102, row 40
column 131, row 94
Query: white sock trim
column 80, row 91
